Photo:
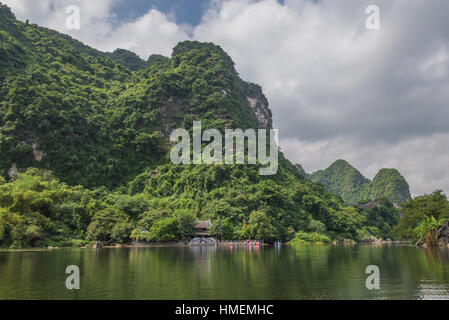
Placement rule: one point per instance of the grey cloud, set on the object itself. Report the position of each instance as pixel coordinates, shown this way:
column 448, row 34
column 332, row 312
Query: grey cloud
column 376, row 98
column 337, row 90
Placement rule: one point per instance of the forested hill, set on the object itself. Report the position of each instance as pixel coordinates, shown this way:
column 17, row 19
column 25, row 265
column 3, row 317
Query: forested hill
column 93, row 120
column 343, row 179
column 84, row 145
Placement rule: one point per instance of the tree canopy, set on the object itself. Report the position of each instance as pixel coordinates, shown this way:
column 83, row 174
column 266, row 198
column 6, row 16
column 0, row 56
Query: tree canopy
column 84, row 139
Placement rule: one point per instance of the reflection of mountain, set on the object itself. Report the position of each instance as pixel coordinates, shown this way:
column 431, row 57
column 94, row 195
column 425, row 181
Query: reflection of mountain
column 303, row 272
column 344, row 180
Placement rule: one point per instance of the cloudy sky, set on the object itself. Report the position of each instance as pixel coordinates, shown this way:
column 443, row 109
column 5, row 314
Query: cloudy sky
column 377, row 98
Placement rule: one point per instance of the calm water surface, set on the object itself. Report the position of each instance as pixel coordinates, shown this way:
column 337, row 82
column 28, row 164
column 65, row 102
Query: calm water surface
column 308, row 272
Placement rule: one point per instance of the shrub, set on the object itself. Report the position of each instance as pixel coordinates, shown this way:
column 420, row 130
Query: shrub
column 309, row 237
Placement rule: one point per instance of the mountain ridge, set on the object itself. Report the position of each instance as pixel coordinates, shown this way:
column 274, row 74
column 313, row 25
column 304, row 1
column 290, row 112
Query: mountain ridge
column 122, row 111
column 84, row 138
column 343, row 179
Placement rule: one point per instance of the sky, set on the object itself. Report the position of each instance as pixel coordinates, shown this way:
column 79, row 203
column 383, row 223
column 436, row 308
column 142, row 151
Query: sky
column 338, row 90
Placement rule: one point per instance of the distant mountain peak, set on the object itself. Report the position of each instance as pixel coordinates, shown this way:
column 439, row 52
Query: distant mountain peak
column 343, row 179
column 390, row 184
column 341, row 162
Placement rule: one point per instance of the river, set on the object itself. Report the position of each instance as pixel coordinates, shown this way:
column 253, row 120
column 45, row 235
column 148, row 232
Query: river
column 306, row 272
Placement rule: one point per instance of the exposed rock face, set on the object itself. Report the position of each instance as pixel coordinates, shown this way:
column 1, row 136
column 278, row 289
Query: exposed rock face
column 371, row 204
column 443, row 234
column 443, row 237
column 261, row 112
column 301, row 171
column 167, row 112
column 38, row 154
column 12, row 171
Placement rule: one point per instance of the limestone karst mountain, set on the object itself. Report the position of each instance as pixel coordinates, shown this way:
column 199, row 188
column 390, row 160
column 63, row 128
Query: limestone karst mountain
column 344, row 180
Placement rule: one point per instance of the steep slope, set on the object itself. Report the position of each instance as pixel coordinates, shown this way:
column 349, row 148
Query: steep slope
column 344, row 180
column 390, row 184
column 102, row 121
column 129, row 59
column 95, row 122
column 301, row 171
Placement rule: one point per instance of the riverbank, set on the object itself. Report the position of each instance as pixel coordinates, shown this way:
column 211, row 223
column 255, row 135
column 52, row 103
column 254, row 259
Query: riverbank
column 236, row 244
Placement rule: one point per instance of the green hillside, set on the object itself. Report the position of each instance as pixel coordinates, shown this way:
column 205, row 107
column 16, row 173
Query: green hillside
column 389, row 183
column 84, row 144
column 344, row 180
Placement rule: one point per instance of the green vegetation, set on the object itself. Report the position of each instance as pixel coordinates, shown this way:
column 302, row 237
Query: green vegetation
column 223, row 229
column 381, row 216
column 417, row 212
column 132, row 61
column 428, row 230
column 84, row 138
column 389, row 183
column 344, row 180
column 37, row 210
column 305, row 238
column 260, row 226
column 186, row 224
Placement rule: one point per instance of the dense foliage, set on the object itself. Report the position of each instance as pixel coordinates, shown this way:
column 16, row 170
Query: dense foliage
column 309, row 237
column 36, row 209
column 434, row 206
column 389, row 183
column 93, row 121
column 100, row 122
column 427, row 230
column 343, row 179
column 381, row 217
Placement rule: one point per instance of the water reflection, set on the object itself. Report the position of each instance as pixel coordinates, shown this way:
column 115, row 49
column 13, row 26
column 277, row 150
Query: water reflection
column 230, row 272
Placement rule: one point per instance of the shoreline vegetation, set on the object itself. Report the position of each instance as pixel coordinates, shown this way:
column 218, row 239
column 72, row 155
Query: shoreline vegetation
column 85, row 154
column 222, row 245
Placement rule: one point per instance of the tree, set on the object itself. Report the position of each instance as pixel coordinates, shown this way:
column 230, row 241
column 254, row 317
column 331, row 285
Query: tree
column 120, row 233
column 132, row 206
column 417, row 210
column 222, row 229
column 164, row 230
column 186, row 223
column 260, row 226
column 345, row 223
column 380, row 219
column 316, row 226
column 149, row 218
column 103, row 223
column 428, row 230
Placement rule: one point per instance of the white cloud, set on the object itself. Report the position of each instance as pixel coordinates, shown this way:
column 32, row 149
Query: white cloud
column 423, row 160
column 337, row 90
column 154, row 32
